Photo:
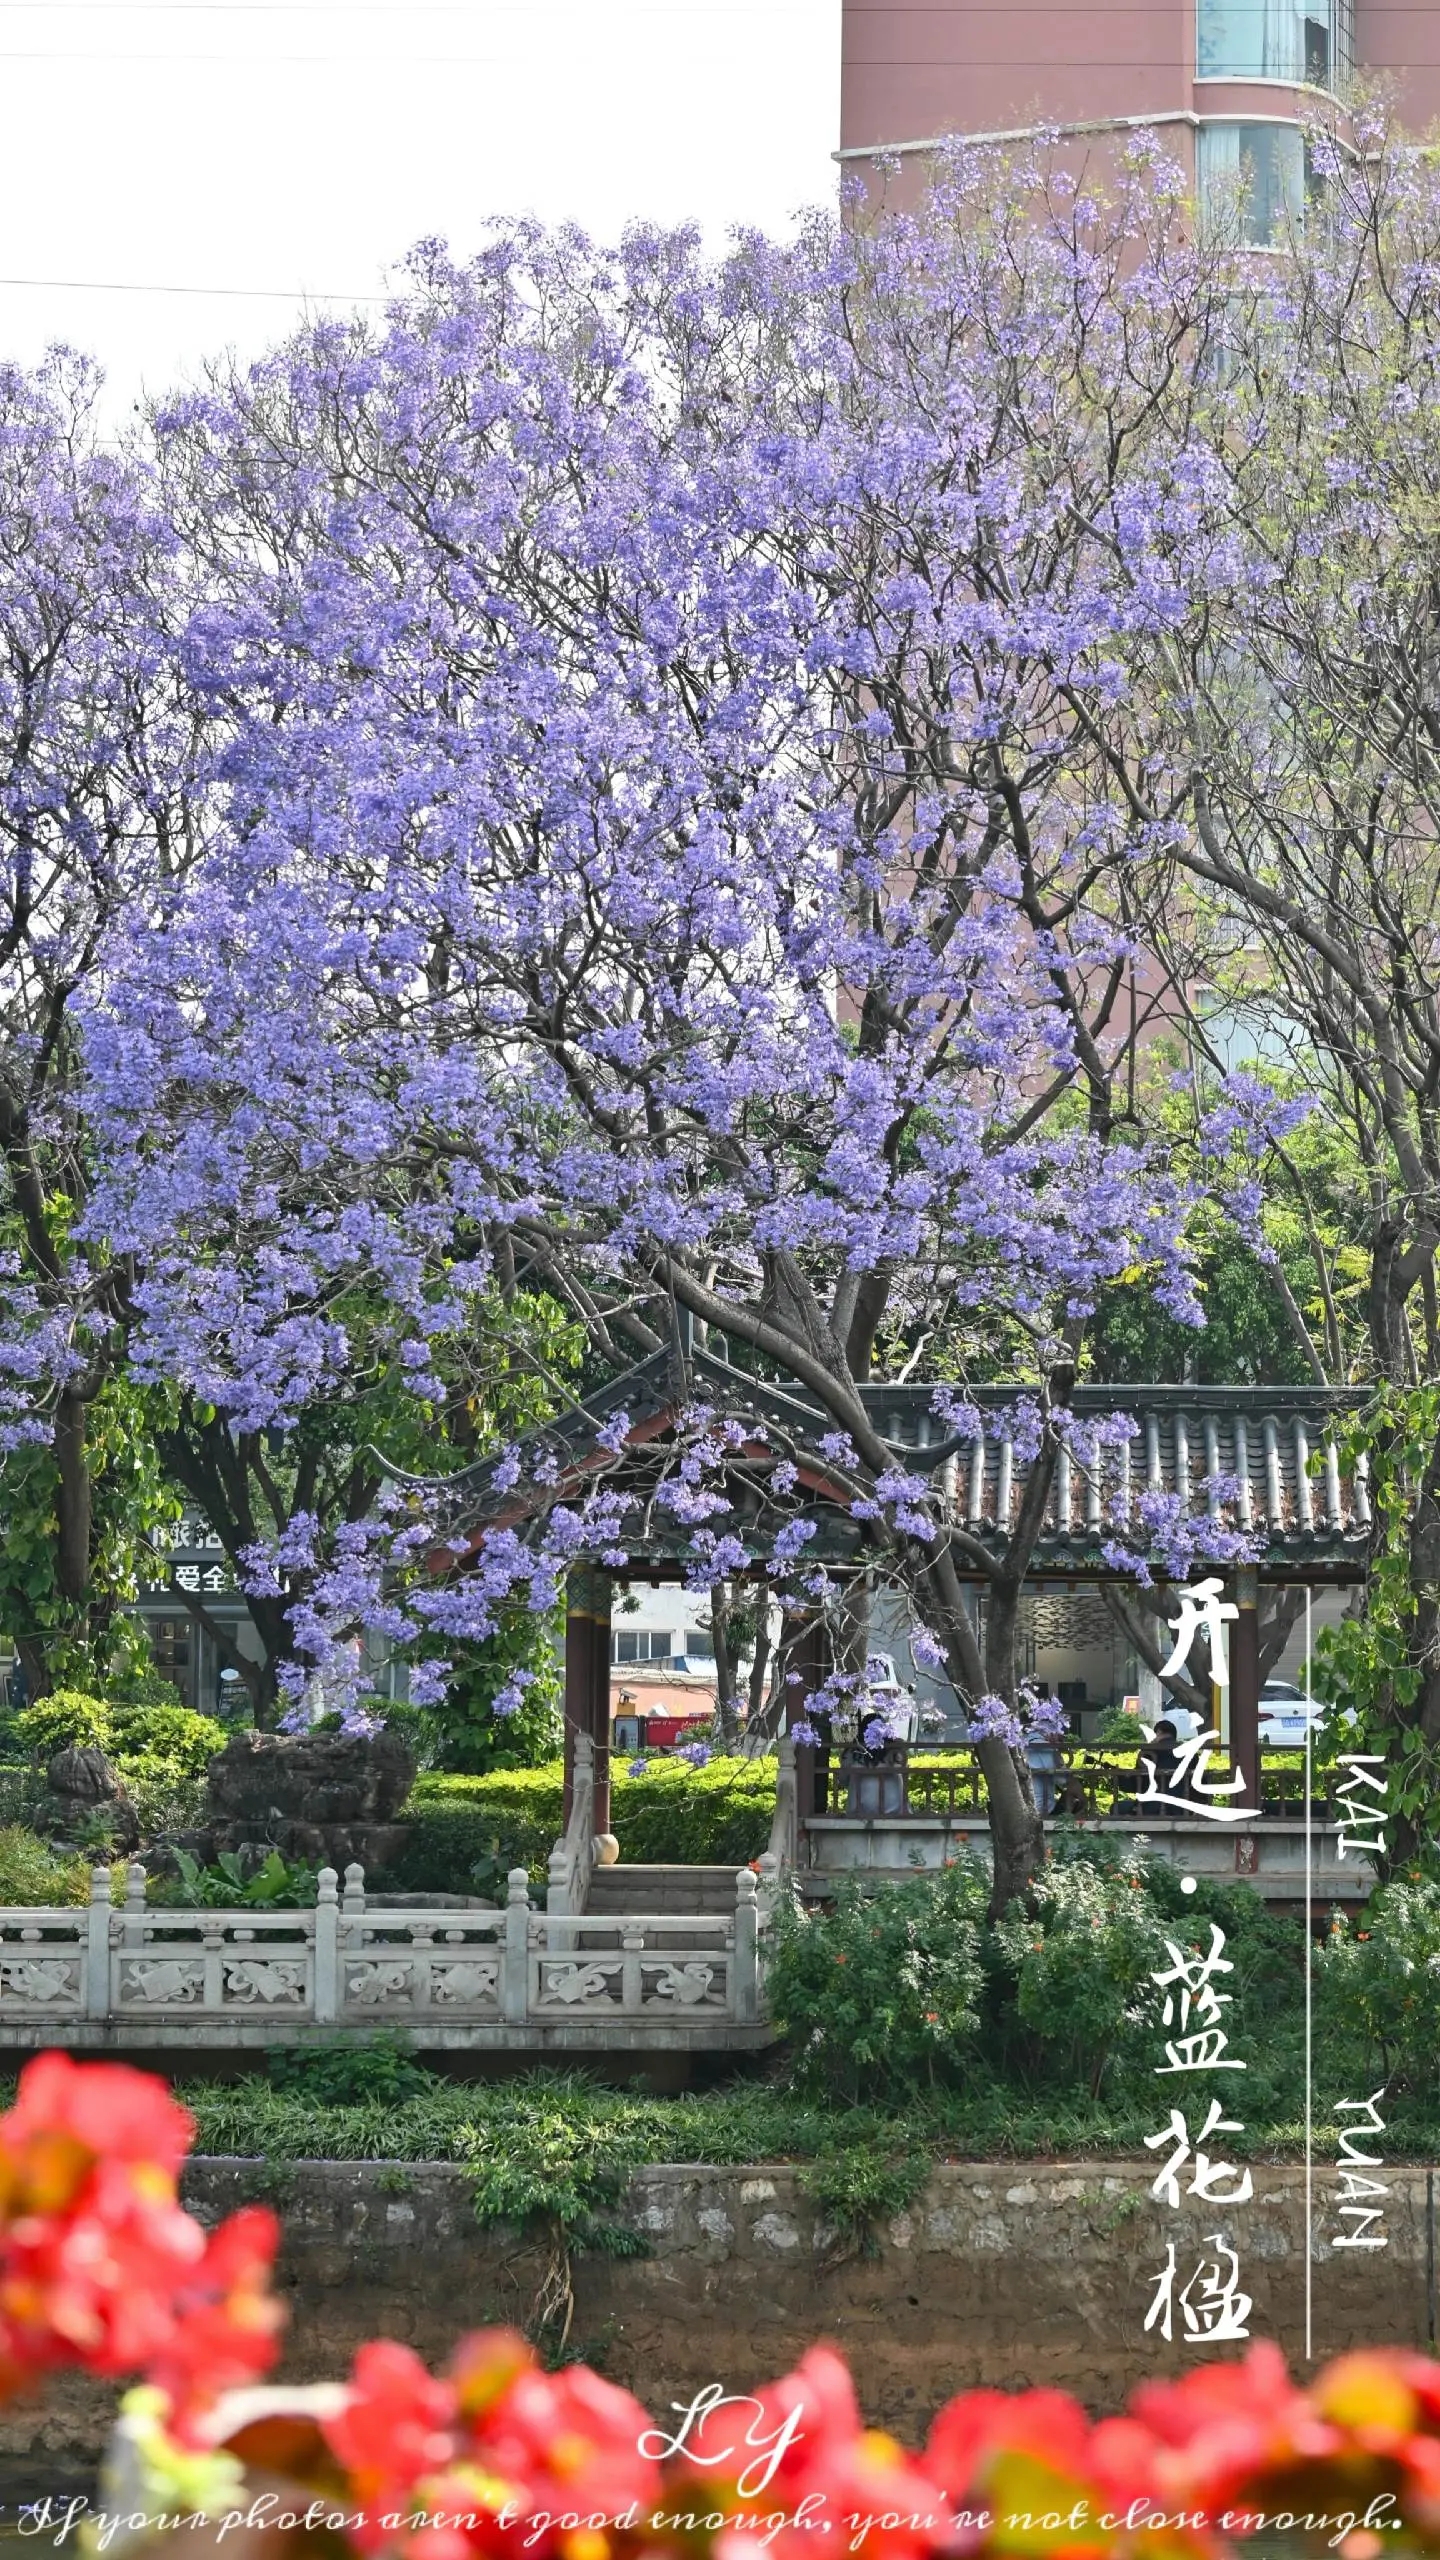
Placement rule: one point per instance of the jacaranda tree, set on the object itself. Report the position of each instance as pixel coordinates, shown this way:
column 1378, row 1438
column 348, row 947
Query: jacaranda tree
column 661, row 716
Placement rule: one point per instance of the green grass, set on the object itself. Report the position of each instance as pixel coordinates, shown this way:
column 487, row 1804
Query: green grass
column 746, row 2121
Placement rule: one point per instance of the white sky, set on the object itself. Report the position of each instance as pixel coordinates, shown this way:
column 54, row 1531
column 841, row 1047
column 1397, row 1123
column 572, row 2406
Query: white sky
column 300, row 146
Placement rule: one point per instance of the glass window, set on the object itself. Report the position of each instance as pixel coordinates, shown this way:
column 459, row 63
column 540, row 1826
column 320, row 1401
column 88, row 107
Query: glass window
column 700, row 1644
column 643, row 1647
column 1256, row 172
column 1272, row 40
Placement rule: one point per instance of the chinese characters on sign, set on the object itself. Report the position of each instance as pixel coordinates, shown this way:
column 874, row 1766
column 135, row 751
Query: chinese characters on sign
column 1202, row 1607
column 1186, row 1787
column 1208, row 2297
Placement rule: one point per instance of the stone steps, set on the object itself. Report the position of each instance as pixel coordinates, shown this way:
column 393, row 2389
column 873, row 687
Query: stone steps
column 660, row 1888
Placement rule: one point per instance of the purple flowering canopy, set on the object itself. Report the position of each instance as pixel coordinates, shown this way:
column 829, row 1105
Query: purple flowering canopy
column 661, row 846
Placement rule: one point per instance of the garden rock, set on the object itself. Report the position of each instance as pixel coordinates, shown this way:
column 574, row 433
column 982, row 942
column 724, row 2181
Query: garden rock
column 81, row 1787
column 324, row 1799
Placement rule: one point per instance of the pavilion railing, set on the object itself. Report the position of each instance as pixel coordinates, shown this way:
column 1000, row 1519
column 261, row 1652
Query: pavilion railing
column 351, row 1961
column 930, row 1781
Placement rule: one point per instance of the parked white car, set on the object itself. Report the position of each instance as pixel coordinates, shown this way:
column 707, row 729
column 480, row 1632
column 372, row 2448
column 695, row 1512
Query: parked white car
column 1284, row 1714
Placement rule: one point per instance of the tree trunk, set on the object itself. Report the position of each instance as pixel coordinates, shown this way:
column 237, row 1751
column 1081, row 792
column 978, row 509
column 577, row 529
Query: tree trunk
column 72, row 1503
column 38, row 1682
column 760, row 1661
column 1017, row 1834
column 727, row 1712
column 1016, row 1831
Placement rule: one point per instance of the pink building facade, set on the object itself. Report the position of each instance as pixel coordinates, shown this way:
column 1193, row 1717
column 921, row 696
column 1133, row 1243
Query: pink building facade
column 1230, row 84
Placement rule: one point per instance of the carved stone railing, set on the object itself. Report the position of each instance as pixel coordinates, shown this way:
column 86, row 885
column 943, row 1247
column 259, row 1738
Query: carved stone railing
column 357, row 1962
column 782, row 1851
column 573, row 1856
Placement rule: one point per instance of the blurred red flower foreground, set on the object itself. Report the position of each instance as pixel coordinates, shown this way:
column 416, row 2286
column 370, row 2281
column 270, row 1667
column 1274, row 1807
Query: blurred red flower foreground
column 102, row 2270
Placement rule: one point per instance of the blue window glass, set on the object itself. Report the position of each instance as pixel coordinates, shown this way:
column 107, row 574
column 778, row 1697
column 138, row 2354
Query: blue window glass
column 1255, row 175
column 1296, row 40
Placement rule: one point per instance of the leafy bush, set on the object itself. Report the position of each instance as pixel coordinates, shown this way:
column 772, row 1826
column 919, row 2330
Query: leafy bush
column 380, row 2072
column 165, row 1797
column 1074, row 1973
column 1379, row 1982
column 861, row 2185
column 67, row 1716
column 30, row 1873
column 153, row 1731
column 467, row 1832
column 139, row 1684
column 159, row 1748
column 273, row 1886
column 460, row 1825
column 881, row 1992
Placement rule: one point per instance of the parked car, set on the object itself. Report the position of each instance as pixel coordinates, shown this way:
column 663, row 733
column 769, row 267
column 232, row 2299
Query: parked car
column 1286, row 1714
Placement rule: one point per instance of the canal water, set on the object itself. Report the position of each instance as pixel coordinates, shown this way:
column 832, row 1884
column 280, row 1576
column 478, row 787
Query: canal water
column 24, row 2486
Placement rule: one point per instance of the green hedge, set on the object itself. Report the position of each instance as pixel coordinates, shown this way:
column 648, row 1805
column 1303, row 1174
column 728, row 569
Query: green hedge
column 675, row 1814
column 718, row 1816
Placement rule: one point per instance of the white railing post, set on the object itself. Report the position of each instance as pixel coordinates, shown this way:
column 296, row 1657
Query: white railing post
column 133, row 1928
column 354, row 1887
column 632, row 1980
column 784, row 1842
column 744, row 1973
column 515, row 1951
column 97, row 1946
column 327, row 1948
column 557, row 1885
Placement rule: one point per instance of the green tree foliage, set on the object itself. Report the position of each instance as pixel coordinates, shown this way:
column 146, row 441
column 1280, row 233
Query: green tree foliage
column 78, row 1636
column 1379, row 1983
column 465, row 1735
column 1381, row 1668
column 518, row 1362
column 882, row 1995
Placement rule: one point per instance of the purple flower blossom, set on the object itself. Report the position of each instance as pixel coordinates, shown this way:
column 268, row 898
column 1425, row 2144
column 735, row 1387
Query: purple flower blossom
column 991, row 1720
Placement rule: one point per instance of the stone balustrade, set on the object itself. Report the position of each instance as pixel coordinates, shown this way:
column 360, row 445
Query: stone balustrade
column 141, row 1973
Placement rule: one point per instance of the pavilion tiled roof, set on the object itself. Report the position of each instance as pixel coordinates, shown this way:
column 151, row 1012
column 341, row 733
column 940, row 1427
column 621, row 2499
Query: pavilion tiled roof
column 1281, row 1445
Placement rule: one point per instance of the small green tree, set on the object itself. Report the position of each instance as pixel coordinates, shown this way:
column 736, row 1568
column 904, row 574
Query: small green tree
column 470, row 1736
column 64, row 1601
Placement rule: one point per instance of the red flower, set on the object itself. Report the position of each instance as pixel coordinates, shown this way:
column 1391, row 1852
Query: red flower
column 226, row 2320
column 93, row 2241
column 100, row 2265
column 395, row 2430
column 803, row 2454
column 1032, row 2474
column 569, row 2442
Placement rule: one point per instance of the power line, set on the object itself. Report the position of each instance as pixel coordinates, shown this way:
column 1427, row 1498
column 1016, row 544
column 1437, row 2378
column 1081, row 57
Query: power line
column 229, row 292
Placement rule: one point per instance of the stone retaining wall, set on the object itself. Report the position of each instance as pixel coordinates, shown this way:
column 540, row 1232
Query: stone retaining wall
column 1011, row 2274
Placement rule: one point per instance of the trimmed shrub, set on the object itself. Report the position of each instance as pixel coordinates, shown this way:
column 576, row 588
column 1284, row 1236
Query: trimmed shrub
column 718, row 1816
column 508, row 1818
column 178, row 1735
column 66, row 1716
column 676, row 1814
